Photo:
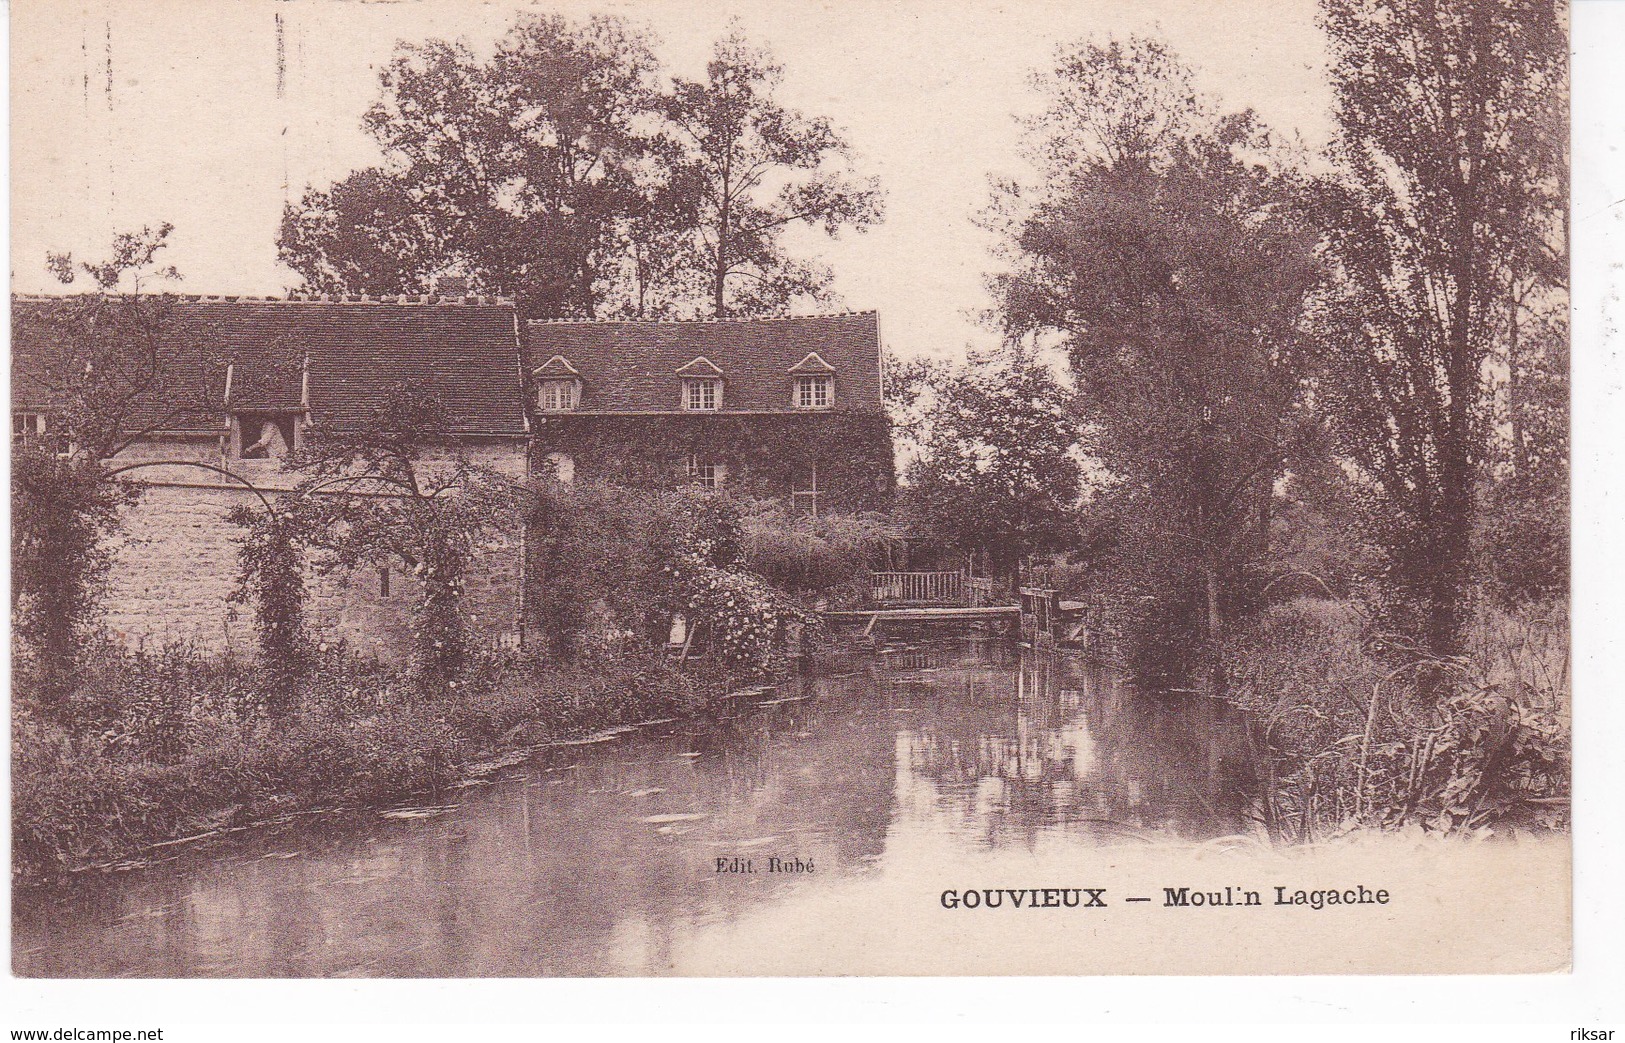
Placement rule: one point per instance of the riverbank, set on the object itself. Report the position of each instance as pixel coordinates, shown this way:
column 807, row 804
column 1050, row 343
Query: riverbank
column 1355, row 729
column 878, row 785
column 164, row 746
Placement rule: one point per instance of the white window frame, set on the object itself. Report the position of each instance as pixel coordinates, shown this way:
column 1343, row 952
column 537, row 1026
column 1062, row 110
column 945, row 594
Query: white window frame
column 554, row 395
column 694, row 394
column 32, row 429
column 806, row 499
column 809, row 388
column 707, row 472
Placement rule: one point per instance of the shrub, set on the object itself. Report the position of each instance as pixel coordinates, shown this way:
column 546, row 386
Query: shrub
column 62, row 510
column 817, row 555
column 1355, row 728
column 617, row 565
column 174, row 743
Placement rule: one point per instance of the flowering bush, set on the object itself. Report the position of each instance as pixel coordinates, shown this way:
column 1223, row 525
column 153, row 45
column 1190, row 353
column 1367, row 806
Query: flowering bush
column 746, row 621
column 618, row 560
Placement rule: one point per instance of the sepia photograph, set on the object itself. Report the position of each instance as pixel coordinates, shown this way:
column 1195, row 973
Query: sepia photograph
column 649, row 488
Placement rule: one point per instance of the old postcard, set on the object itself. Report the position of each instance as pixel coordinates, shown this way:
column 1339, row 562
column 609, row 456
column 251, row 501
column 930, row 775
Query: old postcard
column 663, row 487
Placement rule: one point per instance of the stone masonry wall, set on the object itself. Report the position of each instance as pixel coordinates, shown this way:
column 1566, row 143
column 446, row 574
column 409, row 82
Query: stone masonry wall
column 175, row 565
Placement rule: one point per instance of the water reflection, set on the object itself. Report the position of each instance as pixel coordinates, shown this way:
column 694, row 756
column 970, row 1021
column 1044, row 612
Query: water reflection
column 602, row 858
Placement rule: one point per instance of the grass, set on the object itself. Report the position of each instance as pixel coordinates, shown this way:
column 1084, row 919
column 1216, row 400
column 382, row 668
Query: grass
column 1355, row 729
column 172, row 744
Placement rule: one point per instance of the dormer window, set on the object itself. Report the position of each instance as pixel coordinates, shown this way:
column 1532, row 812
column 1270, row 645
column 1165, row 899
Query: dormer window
column 263, row 436
column 702, row 393
column 558, row 386
column 702, row 385
column 814, row 391
column 812, row 383
column 557, row 396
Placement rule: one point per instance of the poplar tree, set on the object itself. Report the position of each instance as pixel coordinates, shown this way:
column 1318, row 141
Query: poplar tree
column 1446, row 212
column 1168, row 251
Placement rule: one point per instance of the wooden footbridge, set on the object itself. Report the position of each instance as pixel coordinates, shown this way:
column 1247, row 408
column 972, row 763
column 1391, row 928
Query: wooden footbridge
column 928, row 597
column 958, row 598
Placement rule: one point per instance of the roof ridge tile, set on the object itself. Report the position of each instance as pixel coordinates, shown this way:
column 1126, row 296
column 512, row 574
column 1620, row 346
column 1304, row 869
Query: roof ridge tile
column 469, row 300
column 702, row 320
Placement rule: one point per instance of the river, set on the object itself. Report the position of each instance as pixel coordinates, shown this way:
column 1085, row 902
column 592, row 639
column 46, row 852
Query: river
column 602, row 858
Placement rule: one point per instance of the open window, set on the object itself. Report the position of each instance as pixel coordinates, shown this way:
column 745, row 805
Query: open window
column 707, row 472
column 263, row 436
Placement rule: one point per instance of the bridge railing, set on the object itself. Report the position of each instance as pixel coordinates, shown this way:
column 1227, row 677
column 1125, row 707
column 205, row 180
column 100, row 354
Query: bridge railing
column 918, row 588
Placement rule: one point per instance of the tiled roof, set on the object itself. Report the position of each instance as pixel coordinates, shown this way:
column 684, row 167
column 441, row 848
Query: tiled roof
column 558, row 366
column 633, row 366
column 466, row 350
column 813, row 363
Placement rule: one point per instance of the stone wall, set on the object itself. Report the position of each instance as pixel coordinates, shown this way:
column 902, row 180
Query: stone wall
column 175, row 564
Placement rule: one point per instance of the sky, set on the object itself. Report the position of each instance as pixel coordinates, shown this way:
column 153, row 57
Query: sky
column 140, row 111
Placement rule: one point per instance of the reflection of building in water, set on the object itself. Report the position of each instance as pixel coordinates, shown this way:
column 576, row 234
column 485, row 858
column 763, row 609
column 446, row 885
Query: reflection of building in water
column 1058, row 744
column 942, row 655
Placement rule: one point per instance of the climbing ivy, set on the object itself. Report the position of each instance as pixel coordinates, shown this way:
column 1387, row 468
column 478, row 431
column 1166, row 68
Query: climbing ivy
column 271, row 577
column 62, row 511
column 767, row 456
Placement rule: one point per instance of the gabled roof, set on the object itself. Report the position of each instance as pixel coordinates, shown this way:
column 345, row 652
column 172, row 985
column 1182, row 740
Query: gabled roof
column 557, row 366
column 466, row 353
column 813, row 363
column 700, row 367
column 637, row 366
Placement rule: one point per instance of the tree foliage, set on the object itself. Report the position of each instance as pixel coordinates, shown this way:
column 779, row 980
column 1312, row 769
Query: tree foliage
column 106, row 371
column 757, row 168
column 271, row 577
column 614, row 565
column 559, row 172
column 996, row 472
column 399, row 492
column 106, row 360
column 62, row 512
column 519, row 172
column 1446, row 223
column 1168, row 250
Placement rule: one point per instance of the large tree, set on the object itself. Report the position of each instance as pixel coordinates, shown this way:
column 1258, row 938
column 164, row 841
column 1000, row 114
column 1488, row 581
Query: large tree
column 996, row 472
column 522, row 172
column 560, row 173
column 1168, row 250
column 1446, row 225
column 758, row 168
